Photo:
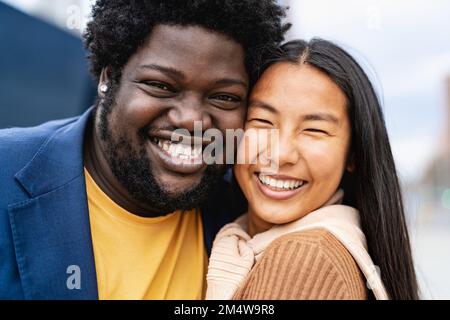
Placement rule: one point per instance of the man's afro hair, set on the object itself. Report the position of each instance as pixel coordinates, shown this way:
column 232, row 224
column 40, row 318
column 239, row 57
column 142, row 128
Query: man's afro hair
column 119, row 27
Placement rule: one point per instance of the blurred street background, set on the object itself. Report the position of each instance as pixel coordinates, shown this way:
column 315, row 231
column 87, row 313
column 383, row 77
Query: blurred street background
column 403, row 46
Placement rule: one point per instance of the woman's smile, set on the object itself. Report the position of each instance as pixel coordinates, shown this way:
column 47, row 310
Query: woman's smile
column 278, row 187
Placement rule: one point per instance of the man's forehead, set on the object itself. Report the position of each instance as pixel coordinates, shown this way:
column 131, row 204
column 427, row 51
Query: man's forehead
column 178, row 42
column 182, row 50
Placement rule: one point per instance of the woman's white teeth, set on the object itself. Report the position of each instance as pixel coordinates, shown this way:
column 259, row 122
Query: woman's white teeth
column 182, row 151
column 280, row 184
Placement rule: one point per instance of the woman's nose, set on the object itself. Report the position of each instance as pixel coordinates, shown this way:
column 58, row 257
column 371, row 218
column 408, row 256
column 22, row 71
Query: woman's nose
column 189, row 114
column 287, row 152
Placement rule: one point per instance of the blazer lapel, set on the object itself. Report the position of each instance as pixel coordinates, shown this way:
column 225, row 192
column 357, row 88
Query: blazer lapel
column 51, row 230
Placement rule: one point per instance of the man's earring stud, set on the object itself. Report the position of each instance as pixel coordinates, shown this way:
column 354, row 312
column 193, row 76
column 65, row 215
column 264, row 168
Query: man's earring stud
column 104, row 88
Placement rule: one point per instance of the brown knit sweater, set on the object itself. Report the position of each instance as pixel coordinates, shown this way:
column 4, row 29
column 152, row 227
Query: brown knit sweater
column 304, row 265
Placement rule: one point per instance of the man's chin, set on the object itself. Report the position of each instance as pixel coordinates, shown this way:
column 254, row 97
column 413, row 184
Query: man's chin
column 173, row 183
column 175, row 190
column 188, row 192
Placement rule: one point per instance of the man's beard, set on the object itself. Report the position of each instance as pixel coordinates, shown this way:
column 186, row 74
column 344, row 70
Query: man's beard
column 132, row 168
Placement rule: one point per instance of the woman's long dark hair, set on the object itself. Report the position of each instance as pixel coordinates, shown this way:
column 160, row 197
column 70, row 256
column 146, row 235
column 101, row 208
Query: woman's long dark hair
column 373, row 187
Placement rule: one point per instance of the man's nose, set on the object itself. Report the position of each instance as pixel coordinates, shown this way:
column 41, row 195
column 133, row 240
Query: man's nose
column 188, row 113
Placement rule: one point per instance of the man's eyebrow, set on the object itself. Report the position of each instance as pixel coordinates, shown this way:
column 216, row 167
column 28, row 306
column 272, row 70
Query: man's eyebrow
column 172, row 72
column 263, row 105
column 232, row 82
column 320, row 116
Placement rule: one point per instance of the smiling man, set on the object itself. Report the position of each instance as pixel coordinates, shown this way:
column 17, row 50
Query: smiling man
column 106, row 206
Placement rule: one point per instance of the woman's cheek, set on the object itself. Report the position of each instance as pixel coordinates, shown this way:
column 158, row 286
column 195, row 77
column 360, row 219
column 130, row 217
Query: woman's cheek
column 323, row 159
column 243, row 177
column 239, row 171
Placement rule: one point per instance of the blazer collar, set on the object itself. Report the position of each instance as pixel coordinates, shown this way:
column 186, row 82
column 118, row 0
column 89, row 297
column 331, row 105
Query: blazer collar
column 58, row 161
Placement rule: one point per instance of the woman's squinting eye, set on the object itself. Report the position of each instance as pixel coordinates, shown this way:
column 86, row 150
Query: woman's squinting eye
column 259, row 120
column 315, row 130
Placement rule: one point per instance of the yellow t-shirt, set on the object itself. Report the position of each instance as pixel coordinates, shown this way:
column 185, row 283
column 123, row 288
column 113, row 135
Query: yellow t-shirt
column 145, row 258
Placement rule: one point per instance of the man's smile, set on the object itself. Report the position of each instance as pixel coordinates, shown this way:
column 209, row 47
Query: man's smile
column 178, row 157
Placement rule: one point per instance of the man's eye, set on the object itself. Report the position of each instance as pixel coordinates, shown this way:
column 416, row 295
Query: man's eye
column 160, row 85
column 227, row 98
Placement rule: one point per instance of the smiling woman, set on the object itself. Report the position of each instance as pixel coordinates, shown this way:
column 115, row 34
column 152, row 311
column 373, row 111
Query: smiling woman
column 310, row 112
column 332, row 216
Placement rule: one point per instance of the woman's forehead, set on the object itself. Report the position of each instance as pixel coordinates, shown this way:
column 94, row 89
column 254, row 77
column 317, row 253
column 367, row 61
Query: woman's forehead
column 285, row 85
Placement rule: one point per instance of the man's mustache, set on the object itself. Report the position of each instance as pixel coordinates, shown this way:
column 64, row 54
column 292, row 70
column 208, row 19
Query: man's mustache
column 179, row 135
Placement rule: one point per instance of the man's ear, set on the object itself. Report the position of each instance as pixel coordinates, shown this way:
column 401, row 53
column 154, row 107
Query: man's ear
column 103, row 83
column 351, row 165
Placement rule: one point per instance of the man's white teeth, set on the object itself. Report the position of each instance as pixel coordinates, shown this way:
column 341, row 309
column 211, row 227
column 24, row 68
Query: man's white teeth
column 280, row 184
column 182, row 151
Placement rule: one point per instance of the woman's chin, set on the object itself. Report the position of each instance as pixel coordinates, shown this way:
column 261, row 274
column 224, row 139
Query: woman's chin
column 277, row 215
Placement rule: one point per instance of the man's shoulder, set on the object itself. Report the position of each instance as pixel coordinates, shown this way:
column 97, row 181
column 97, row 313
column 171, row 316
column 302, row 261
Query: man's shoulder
column 18, row 143
column 36, row 133
column 18, row 146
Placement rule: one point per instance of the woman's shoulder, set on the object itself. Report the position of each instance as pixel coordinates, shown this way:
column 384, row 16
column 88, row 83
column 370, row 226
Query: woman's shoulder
column 319, row 240
column 312, row 246
column 318, row 237
column 309, row 264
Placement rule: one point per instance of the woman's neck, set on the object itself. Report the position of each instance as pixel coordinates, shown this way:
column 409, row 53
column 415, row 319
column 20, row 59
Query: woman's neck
column 255, row 224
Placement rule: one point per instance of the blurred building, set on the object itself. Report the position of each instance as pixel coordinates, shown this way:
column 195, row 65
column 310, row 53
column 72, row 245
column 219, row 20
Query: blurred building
column 43, row 71
column 436, row 180
column 447, row 139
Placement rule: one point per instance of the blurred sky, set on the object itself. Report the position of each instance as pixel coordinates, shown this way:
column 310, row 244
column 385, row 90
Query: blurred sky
column 403, row 44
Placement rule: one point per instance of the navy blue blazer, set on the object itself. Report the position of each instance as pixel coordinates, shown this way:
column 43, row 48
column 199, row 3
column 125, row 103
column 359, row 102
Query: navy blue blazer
column 44, row 219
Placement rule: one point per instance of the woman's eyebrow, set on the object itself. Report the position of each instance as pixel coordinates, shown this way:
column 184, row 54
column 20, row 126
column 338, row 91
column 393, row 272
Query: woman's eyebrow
column 263, row 105
column 320, row 116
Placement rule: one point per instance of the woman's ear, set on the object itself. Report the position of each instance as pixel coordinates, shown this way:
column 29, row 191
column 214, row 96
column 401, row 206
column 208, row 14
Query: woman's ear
column 351, row 165
column 103, row 83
